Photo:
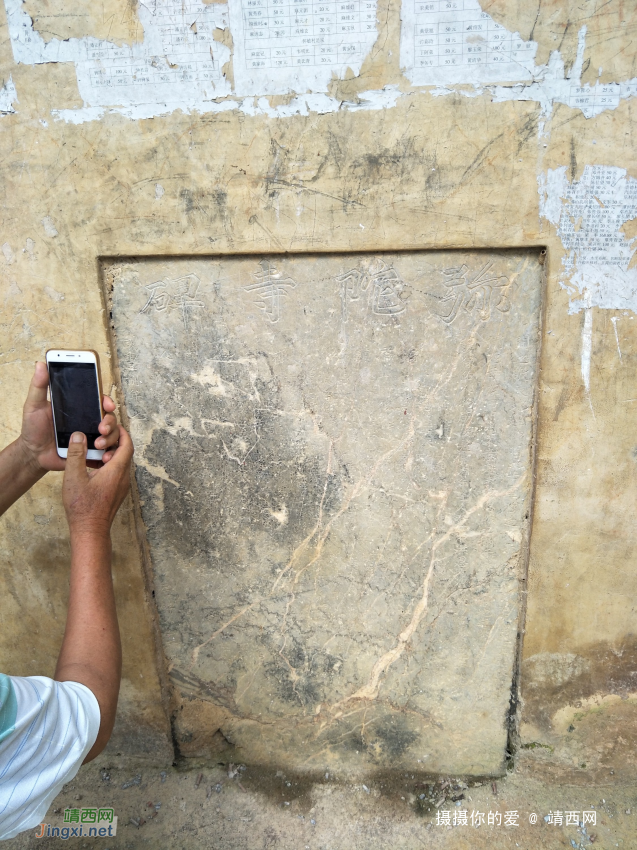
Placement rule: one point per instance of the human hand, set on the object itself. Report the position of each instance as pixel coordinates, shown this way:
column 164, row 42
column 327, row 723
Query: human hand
column 91, row 499
column 38, row 437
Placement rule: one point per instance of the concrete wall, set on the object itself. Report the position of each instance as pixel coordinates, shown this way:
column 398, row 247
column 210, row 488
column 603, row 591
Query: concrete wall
column 381, row 153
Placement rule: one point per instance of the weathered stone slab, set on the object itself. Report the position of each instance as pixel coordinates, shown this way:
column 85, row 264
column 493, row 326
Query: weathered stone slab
column 333, row 454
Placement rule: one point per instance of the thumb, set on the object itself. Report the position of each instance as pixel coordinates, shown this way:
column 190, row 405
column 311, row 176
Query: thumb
column 75, row 469
column 38, row 386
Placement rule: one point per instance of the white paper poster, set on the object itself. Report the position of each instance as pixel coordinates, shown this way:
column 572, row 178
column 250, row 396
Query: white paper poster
column 282, row 46
column 446, row 42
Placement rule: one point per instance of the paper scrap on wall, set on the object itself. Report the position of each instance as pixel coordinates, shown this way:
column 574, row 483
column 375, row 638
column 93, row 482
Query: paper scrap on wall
column 446, row 42
column 281, row 46
column 588, row 214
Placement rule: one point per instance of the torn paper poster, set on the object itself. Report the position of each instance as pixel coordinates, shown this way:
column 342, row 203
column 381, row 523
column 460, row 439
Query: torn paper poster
column 551, row 84
column 8, row 96
column 449, row 42
column 279, row 48
column 446, row 42
column 178, row 62
column 588, row 214
column 282, row 47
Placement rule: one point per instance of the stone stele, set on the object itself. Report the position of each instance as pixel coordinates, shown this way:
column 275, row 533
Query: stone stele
column 334, row 458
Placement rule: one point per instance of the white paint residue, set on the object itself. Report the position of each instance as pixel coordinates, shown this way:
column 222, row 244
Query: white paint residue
column 53, row 294
column 587, row 344
column 8, row 253
column 8, row 96
column 281, row 47
column 452, row 42
column 552, row 188
column 588, row 215
column 49, row 228
column 159, row 191
column 301, row 105
column 614, row 320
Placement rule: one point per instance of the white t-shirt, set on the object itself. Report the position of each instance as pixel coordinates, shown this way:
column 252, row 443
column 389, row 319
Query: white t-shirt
column 46, row 731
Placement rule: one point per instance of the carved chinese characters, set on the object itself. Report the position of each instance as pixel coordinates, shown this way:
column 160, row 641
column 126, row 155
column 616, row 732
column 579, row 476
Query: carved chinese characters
column 334, row 466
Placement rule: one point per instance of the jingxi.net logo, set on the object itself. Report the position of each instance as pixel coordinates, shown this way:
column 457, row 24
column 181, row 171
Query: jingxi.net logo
column 82, row 823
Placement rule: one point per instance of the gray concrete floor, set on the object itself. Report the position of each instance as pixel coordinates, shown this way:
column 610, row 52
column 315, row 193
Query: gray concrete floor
column 232, row 809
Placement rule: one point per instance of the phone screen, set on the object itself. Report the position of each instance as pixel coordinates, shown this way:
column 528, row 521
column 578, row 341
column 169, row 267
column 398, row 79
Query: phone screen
column 76, row 401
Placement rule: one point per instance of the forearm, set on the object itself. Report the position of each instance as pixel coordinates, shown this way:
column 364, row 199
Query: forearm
column 91, row 652
column 18, row 473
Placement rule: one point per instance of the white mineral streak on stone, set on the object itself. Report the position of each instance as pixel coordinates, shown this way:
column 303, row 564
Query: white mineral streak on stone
column 371, row 690
column 8, row 96
column 588, row 215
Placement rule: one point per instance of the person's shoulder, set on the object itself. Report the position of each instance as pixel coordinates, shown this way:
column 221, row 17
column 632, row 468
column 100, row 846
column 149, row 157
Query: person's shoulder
column 8, row 707
column 40, row 693
column 51, row 726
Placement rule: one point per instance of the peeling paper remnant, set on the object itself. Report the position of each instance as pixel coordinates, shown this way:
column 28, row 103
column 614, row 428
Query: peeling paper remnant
column 281, row 49
column 278, row 49
column 8, row 96
column 178, row 62
column 445, row 44
column 588, row 214
column 551, row 84
column 452, row 43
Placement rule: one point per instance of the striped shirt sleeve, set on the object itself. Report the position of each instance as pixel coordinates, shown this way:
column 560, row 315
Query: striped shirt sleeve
column 46, row 730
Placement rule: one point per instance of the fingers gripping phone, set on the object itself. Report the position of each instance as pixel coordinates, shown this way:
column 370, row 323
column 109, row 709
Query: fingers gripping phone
column 76, row 397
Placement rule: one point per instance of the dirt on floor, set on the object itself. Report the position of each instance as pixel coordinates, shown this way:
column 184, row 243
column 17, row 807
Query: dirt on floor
column 238, row 807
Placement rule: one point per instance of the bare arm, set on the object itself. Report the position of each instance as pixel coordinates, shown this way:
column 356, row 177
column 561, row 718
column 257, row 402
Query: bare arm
column 18, row 473
column 33, row 454
column 91, row 652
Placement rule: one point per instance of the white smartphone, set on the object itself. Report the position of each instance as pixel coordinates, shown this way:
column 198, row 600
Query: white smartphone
column 76, row 397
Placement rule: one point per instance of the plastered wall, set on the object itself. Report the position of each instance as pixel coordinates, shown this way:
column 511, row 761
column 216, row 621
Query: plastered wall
column 379, row 153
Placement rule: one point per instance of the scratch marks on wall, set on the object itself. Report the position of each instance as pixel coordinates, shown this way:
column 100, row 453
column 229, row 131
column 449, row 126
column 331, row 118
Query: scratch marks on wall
column 588, row 214
column 8, row 96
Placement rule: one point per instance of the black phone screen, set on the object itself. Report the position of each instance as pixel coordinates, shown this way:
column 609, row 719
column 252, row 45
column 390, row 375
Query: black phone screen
column 76, row 401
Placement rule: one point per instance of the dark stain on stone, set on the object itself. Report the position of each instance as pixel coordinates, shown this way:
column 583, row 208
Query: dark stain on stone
column 210, row 205
column 573, row 161
column 600, row 669
column 395, row 737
